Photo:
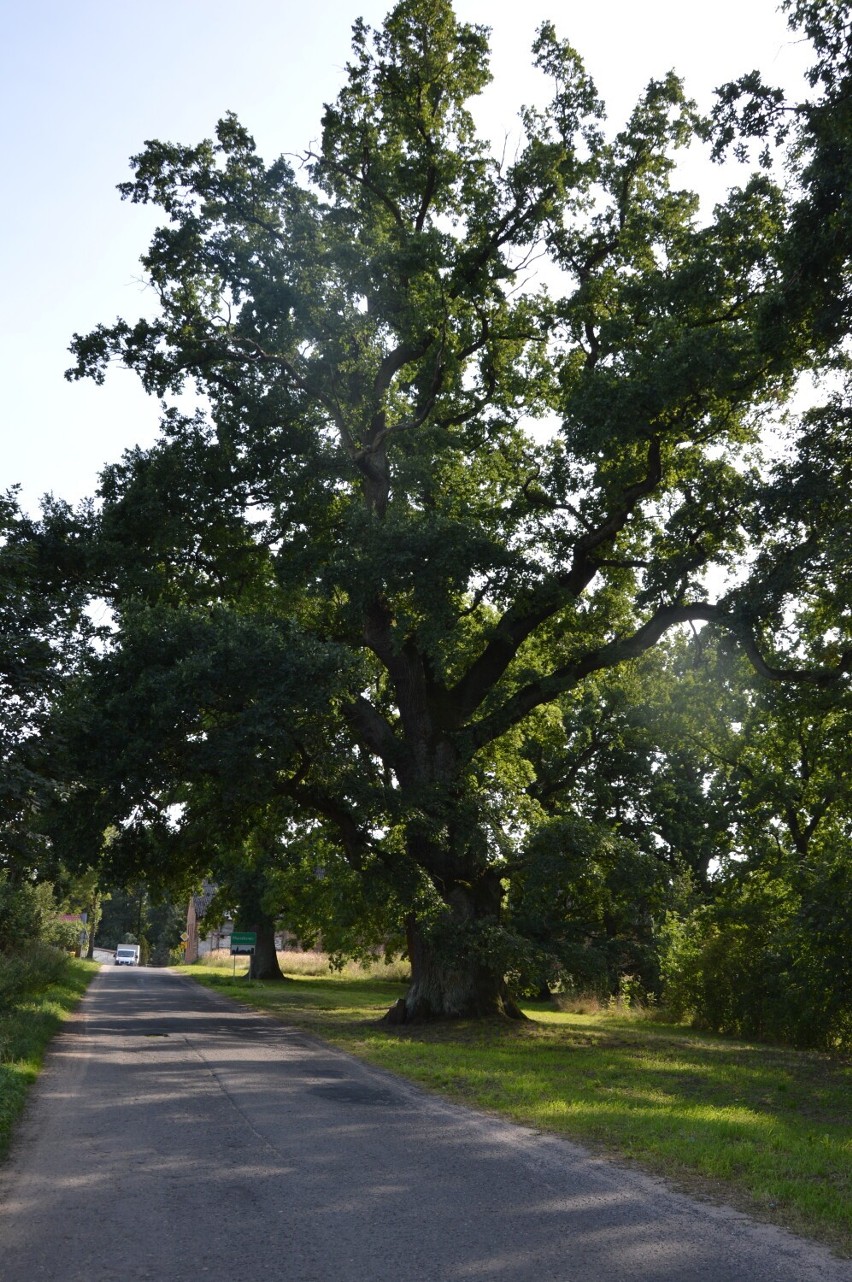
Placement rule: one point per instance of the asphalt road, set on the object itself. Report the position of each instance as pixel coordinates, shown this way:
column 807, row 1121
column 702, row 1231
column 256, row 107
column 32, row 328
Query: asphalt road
column 175, row 1136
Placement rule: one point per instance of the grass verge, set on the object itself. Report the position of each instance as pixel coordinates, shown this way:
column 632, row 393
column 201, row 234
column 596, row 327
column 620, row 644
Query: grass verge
column 28, row 1020
column 763, row 1128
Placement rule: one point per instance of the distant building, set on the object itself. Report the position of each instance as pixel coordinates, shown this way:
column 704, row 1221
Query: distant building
column 198, row 940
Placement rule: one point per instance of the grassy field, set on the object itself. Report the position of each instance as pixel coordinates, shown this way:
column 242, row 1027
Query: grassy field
column 30, row 1014
column 760, row 1127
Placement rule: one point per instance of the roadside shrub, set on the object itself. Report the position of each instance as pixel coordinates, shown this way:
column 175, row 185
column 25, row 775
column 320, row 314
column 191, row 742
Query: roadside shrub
column 27, row 912
column 754, row 963
column 62, row 934
column 29, row 970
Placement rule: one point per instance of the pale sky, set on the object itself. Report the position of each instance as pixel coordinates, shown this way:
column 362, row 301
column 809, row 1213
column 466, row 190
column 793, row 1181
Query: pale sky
column 83, row 84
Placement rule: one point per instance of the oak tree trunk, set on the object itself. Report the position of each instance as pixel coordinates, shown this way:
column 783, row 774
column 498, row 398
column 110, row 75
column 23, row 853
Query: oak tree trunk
column 264, row 962
column 453, row 982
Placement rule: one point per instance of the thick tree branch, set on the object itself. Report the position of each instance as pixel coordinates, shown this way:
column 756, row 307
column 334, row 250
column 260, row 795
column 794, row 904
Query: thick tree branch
column 622, row 649
column 372, row 730
column 355, row 843
column 615, row 652
column 822, row 676
column 360, row 180
column 543, row 601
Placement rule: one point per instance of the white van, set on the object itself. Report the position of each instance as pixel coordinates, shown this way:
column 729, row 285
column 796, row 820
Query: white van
column 127, row 955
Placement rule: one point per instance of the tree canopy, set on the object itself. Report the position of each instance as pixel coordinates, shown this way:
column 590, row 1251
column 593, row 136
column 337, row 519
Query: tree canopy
column 471, row 430
column 44, row 637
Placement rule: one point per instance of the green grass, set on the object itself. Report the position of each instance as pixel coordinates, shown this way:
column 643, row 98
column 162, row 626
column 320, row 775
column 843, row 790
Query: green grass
column 763, row 1128
column 29, row 1018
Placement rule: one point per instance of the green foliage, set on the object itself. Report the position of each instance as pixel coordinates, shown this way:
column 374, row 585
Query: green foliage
column 167, row 923
column 349, row 912
column 125, row 913
column 31, row 968
column 763, row 961
column 768, row 954
column 134, row 916
column 589, row 898
column 43, row 635
column 694, row 839
column 633, row 796
column 28, row 914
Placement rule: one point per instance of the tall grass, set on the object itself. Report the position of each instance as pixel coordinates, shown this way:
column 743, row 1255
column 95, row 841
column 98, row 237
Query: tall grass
column 312, row 963
column 39, row 986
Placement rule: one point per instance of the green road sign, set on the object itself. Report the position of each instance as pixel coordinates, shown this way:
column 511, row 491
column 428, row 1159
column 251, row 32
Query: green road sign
column 243, row 941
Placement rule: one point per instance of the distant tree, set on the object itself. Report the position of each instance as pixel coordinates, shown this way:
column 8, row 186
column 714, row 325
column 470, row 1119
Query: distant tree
column 346, row 587
column 767, row 952
column 167, row 921
column 124, row 918
column 631, row 781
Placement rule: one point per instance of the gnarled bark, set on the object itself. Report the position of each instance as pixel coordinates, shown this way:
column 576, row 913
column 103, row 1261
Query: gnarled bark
column 453, row 982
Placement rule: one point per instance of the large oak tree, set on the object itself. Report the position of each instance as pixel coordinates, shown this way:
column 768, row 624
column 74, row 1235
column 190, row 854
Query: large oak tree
column 471, row 428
